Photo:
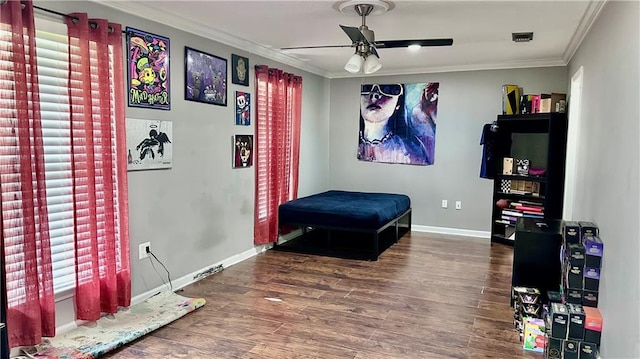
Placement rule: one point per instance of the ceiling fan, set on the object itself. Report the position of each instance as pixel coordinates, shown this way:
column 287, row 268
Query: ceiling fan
column 363, row 40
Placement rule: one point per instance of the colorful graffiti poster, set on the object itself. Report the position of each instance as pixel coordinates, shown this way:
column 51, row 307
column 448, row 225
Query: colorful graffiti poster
column 148, row 70
column 243, row 108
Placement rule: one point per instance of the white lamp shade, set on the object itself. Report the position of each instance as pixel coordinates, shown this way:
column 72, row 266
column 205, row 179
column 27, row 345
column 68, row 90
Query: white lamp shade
column 354, row 64
column 372, row 64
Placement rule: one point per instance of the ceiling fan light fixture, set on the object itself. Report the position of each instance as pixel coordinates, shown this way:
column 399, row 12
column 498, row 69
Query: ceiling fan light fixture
column 414, row 47
column 354, row 64
column 372, row 64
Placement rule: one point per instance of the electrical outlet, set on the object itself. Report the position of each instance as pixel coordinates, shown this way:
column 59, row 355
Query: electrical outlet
column 458, row 204
column 143, row 250
column 444, row 203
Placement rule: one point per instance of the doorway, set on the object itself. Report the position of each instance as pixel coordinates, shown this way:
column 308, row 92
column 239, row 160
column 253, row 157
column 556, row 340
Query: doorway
column 573, row 135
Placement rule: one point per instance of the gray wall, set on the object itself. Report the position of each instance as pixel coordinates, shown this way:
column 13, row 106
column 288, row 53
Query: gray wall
column 467, row 101
column 607, row 173
column 200, row 211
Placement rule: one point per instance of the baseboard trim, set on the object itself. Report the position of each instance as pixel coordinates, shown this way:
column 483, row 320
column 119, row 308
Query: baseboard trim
column 190, row 278
column 452, row 231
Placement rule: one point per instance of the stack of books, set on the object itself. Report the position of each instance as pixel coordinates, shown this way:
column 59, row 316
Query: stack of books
column 519, row 209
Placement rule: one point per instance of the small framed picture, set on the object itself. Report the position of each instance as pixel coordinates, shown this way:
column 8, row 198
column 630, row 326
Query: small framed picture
column 242, row 151
column 149, row 144
column 239, row 70
column 205, row 77
column 243, row 108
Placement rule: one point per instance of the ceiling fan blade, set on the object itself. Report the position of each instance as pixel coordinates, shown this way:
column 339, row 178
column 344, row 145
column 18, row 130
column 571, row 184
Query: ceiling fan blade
column 389, row 44
column 313, row 47
column 354, row 34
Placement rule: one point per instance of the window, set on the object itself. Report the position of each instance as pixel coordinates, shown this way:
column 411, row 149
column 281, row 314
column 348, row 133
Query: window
column 63, row 178
column 53, row 68
column 277, row 147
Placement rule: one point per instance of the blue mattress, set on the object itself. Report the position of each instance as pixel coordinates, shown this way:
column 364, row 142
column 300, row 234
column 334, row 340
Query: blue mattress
column 357, row 210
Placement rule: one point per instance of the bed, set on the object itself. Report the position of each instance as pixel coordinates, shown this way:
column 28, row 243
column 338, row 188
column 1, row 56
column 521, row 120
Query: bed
column 366, row 213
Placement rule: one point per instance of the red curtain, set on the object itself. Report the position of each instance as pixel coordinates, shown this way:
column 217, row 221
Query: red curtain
column 25, row 233
column 277, row 147
column 103, row 278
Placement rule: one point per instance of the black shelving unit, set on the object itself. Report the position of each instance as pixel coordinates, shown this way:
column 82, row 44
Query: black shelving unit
column 550, row 145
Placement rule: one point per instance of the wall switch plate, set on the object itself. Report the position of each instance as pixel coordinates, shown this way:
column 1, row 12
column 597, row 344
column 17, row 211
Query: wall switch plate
column 444, row 203
column 142, row 250
column 458, row 204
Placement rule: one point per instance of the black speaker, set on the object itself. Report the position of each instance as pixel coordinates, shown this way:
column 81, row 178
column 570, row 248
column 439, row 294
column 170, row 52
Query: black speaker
column 536, row 255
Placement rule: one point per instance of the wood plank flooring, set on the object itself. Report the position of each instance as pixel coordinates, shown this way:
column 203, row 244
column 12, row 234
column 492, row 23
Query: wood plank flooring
column 427, row 296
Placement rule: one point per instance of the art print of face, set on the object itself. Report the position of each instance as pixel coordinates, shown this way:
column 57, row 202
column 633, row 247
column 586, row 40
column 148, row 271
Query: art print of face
column 244, row 146
column 378, row 102
column 241, row 70
column 241, row 101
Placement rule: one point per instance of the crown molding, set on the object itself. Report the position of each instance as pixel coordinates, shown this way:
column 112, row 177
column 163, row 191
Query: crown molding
column 593, row 11
column 199, row 29
column 459, row 68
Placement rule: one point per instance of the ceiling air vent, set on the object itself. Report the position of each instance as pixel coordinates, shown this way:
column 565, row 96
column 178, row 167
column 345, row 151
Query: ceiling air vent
column 522, row 36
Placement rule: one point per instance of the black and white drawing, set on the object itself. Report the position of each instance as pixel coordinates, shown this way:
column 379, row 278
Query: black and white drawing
column 149, row 144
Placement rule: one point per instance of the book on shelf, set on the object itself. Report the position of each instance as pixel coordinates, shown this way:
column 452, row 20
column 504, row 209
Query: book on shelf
column 524, row 193
column 508, row 212
column 529, row 208
column 526, row 203
column 540, row 214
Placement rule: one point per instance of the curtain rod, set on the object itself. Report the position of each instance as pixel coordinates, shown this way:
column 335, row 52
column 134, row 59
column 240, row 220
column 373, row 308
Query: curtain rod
column 56, row 13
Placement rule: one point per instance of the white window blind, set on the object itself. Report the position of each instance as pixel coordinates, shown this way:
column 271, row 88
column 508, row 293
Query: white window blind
column 264, row 92
column 53, row 69
column 52, row 59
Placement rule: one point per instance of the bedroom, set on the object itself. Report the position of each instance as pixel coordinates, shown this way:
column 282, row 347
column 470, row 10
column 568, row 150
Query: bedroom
column 199, row 213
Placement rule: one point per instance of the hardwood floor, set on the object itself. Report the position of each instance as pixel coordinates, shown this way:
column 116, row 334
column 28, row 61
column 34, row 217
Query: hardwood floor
column 427, row 296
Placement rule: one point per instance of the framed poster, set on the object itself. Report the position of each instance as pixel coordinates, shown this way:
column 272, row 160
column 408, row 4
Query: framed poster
column 149, row 144
column 205, row 77
column 243, row 108
column 148, row 70
column 242, row 151
column 239, row 70
column 398, row 123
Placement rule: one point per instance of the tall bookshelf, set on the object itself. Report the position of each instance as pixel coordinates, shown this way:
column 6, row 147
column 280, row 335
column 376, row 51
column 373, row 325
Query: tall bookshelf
column 542, row 139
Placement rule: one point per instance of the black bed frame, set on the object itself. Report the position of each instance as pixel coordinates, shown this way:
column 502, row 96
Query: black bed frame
column 401, row 223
